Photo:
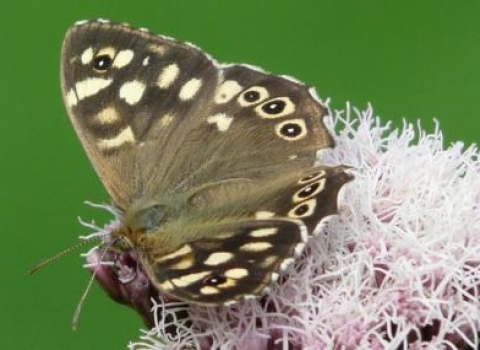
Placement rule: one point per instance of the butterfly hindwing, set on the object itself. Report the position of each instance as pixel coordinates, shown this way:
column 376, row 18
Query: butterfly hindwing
column 253, row 245
column 239, row 260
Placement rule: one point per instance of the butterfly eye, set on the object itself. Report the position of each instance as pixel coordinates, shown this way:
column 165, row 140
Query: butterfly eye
column 101, row 63
column 253, row 95
column 276, row 108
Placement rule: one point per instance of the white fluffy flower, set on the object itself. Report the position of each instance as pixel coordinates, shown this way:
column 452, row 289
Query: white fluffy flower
column 398, row 268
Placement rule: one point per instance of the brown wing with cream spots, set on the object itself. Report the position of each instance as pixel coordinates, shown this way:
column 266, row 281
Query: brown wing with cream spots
column 239, row 261
column 239, row 256
column 157, row 116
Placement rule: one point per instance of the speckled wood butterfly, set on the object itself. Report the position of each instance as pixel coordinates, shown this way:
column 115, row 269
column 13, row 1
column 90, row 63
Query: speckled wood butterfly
column 210, row 165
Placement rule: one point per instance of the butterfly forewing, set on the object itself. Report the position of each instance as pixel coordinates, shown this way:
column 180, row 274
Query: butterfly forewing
column 154, row 101
column 211, row 165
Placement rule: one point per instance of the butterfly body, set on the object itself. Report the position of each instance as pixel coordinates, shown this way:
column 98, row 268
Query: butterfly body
column 211, row 166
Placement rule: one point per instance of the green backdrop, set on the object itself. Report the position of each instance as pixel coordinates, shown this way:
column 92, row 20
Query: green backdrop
column 410, row 59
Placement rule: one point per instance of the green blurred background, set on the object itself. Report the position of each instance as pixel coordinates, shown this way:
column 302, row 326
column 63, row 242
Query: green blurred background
column 410, row 59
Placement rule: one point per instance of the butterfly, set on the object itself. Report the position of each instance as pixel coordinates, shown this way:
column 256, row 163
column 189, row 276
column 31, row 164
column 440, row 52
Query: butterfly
column 211, row 166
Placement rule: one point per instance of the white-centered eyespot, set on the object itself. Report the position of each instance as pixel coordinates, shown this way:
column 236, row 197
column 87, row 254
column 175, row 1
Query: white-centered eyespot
column 275, row 108
column 312, row 177
column 303, row 209
column 291, row 130
column 309, row 191
column 253, row 95
column 103, row 60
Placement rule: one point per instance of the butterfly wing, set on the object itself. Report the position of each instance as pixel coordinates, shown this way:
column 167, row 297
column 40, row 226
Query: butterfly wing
column 157, row 117
column 228, row 258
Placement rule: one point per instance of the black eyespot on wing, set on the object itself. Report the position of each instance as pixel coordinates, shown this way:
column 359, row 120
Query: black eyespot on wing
column 307, row 191
column 102, row 63
column 274, row 107
column 291, row 130
column 251, row 96
column 214, row 280
column 301, row 210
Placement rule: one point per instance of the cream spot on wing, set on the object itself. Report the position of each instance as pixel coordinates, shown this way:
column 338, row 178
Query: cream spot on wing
column 208, row 290
column 221, row 120
column 91, row 86
column 166, row 119
column 190, row 89
column 303, row 232
column 87, row 56
column 71, row 98
column 218, row 258
column 264, row 232
column 268, row 261
column 125, row 136
column 145, row 61
column 167, row 76
column 226, row 91
column 186, row 249
column 157, row 49
column 255, row 246
column 109, row 51
column 107, row 116
column 132, row 91
column 167, row 285
column 187, row 280
column 123, row 58
column 224, row 235
column 264, row 214
column 185, row 263
column 236, row 273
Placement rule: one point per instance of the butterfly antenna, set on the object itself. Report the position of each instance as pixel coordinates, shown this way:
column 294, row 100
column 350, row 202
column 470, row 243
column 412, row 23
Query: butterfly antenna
column 47, row 261
column 78, row 309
